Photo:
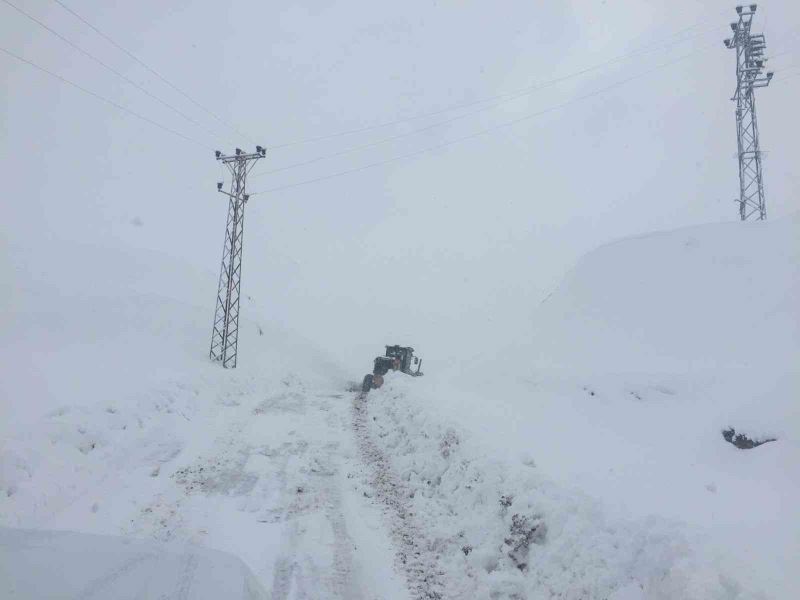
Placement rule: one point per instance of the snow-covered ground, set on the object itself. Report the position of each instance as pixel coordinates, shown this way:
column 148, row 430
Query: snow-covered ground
column 605, row 429
column 586, row 462
column 115, row 422
column 63, row 565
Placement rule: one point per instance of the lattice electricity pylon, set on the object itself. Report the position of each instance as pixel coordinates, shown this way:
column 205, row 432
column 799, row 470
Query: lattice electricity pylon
column 750, row 62
column 225, row 336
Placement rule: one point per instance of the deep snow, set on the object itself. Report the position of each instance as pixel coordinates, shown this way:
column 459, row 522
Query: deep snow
column 585, row 462
column 607, row 424
column 115, row 422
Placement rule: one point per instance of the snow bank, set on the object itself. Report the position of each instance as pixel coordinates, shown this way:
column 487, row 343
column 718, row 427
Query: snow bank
column 648, row 350
column 92, row 566
column 714, row 296
column 499, row 528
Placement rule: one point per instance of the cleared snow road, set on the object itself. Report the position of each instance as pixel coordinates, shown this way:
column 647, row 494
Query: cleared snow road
column 266, row 470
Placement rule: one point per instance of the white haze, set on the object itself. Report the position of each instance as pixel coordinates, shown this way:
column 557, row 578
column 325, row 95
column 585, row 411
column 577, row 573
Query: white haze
column 449, row 250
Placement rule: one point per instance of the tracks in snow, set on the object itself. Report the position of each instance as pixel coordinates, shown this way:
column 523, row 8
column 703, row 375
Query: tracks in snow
column 425, row 579
column 274, row 469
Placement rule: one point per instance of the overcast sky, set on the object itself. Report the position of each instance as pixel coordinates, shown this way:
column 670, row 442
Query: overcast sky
column 445, row 250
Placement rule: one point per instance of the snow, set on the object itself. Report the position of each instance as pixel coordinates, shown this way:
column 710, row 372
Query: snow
column 606, row 425
column 585, row 461
column 94, row 566
column 116, row 423
column 707, row 297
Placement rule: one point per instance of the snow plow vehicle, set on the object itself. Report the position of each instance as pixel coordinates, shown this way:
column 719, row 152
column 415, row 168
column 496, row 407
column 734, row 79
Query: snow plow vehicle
column 397, row 358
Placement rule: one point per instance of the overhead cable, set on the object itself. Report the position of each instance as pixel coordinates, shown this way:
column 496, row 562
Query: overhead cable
column 106, row 100
column 398, row 136
column 484, row 131
column 114, row 43
column 111, row 69
column 522, row 91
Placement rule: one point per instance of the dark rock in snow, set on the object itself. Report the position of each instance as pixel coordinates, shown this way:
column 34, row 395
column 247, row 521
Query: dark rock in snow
column 525, row 530
column 741, row 441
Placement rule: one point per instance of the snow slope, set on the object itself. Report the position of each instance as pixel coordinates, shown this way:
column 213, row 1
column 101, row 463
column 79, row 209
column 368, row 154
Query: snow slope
column 603, row 431
column 709, row 297
column 115, row 422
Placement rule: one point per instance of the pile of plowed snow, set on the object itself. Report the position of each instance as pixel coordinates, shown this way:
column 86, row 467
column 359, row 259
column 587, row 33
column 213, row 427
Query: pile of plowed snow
column 710, row 297
column 603, row 433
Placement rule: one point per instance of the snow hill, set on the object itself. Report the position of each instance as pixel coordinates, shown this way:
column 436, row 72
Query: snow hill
column 646, row 352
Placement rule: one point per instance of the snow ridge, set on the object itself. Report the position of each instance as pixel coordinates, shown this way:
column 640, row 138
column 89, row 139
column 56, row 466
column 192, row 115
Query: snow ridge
column 416, row 555
column 496, row 529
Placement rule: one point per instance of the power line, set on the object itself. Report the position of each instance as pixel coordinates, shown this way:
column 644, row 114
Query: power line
column 509, row 95
column 106, row 100
column 392, row 138
column 784, row 53
column 486, row 130
column 787, row 36
column 519, row 92
column 117, row 73
column 152, row 70
column 790, row 75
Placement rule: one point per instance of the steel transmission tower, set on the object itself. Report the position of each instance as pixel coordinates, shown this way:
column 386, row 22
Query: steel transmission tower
column 750, row 62
column 225, row 336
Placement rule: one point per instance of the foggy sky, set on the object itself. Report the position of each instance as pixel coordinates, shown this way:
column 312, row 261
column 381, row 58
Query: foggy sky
column 449, row 250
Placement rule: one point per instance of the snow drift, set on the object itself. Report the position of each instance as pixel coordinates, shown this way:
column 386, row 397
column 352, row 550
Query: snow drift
column 606, row 428
column 716, row 296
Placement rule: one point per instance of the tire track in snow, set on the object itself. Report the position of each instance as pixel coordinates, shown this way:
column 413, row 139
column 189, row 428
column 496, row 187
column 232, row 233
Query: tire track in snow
column 343, row 573
column 296, row 574
column 190, row 563
column 99, row 587
column 424, row 577
column 285, row 567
